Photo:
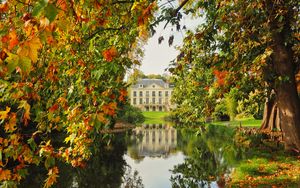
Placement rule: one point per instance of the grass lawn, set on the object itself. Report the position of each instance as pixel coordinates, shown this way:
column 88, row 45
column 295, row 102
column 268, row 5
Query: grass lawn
column 154, row 117
column 246, row 122
column 274, row 169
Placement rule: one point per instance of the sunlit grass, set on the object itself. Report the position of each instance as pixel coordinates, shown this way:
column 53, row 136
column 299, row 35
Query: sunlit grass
column 154, row 117
column 246, row 122
column 262, row 172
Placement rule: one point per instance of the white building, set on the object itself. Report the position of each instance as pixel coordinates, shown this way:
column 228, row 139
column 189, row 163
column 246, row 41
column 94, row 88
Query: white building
column 151, row 95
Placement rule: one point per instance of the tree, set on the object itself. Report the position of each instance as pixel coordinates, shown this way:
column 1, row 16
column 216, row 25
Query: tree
column 250, row 45
column 62, row 65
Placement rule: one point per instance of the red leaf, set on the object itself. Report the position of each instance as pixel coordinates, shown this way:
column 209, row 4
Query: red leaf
column 53, row 108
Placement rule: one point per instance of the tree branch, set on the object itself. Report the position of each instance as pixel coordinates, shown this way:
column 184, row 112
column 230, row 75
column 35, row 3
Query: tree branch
column 176, row 11
column 104, row 29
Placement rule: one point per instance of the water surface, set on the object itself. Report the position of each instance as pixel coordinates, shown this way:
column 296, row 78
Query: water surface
column 154, row 156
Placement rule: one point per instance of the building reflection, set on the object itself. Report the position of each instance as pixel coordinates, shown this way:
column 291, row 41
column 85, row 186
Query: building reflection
column 156, row 140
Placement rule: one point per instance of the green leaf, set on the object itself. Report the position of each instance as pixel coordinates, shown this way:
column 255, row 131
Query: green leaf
column 50, row 161
column 25, row 64
column 13, row 61
column 51, row 12
column 3, row 31
column 32, row 143
column 39, row 6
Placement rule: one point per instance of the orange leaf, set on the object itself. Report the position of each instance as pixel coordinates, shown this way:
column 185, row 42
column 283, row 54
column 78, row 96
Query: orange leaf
column 62, row 4
column 81, row 62
column 110, row 54
column 110, row 108
column 13, row 40
column 123, row 95
column 4, row 174
column 11, row 125
column 4, row 7
column 3, row 114
column 52, row 177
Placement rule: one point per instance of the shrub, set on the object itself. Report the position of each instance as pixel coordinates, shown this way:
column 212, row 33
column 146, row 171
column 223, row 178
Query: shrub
column 131, row 114
column 220, row 112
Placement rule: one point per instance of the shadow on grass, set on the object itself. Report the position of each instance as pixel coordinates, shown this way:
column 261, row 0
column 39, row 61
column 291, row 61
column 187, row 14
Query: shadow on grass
column 267, row 165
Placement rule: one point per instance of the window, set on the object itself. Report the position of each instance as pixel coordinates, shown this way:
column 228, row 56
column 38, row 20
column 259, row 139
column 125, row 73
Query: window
column 147, row 93
column 153, row 93
column 153, row 86
column 141, row 93
column 141, row 100
column 166, row 93
column 134, row 101
column 141, row 85
column 160, row 93
column 147, row 100
column 134, row 93
column 153, row 100
column 159, row 101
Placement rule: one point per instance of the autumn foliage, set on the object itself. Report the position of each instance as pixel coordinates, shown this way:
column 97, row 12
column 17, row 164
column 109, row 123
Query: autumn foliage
column 55, row 79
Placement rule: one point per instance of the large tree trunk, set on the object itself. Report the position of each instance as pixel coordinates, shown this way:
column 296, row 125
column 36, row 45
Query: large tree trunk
column 271, row 116
column 288, row 103
column 286, row 94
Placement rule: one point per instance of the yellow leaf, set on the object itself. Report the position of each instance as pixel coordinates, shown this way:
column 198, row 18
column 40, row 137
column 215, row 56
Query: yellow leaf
column 101, row 117
column 44, row 22
column 3, row 114
column 26, row 107
column 30, row 49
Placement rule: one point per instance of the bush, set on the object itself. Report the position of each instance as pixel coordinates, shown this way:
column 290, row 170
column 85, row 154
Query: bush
column 252, row 106
column 131, row 114
column 220, row 113
column 231, row 103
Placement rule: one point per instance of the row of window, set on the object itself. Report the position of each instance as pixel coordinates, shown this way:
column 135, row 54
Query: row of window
column 160, row 93
column 134, row 101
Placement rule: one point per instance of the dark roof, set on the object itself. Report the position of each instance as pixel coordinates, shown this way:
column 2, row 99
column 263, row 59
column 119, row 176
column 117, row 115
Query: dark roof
column 147, row 82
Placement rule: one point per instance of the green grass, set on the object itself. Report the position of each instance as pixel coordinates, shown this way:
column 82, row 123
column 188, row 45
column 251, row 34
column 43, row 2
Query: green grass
column 266, row 164
column 263, row 172
column 246, row 122
column 154, row 117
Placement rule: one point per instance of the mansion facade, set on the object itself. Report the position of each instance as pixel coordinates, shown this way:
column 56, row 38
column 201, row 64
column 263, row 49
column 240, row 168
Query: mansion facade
column 151, row 95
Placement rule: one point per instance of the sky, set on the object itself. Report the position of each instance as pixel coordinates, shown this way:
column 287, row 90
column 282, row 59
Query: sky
column 157, row 57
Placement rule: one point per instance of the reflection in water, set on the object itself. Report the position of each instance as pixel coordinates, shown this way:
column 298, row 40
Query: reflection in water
column 132, row 180
column 153, row 156
column 152, row 152
column 157, row 140
column 210, row 158
column 106, row 169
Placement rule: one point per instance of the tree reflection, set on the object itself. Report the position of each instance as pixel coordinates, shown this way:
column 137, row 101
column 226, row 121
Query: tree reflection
column 107, row 169
column 210, row 157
